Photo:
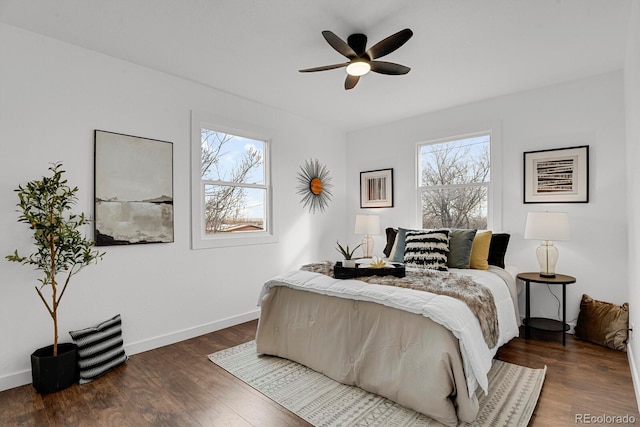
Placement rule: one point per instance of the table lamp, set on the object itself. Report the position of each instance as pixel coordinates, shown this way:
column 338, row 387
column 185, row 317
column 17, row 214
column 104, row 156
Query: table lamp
column 547, row 227
column 367, row 225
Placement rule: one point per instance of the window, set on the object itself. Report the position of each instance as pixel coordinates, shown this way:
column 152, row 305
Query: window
column 231, row 193
column 454, row 182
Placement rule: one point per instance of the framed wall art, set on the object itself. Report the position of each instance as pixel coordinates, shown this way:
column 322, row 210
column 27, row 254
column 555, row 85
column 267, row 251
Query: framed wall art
column 133, row 190
column 558, row 175
column 376, row 189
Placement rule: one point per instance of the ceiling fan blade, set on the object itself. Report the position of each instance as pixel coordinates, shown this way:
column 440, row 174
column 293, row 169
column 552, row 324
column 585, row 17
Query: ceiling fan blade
column 324, row 68
column 383, row 67
column 389, row 44
column 339, row 45
column 358, row 43
column 351, row 82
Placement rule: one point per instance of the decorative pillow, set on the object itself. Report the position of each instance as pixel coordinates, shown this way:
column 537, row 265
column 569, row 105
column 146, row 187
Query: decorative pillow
column 392, row 255
column 498, row 249
column 427, row 249
column 100, row 349
column 460, row 242
column 398, row 255
column 603, row 323
column 480, row 251
column 391, row 239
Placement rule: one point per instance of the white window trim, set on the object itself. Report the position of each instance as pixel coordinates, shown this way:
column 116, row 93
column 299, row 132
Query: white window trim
column 494, row 199
column 199, row 239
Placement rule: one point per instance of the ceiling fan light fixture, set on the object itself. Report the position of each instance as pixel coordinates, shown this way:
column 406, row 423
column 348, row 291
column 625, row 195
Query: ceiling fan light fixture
column 358, row 68
column 363, row 60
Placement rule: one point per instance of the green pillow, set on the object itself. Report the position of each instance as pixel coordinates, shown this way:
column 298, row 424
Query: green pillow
column 460, row 242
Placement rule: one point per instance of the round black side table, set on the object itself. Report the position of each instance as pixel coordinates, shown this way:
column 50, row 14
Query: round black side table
column 540, row 322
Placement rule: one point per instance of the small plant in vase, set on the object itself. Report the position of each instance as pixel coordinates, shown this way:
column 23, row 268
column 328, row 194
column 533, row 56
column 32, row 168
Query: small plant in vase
column 347, row 254
column 60, row 249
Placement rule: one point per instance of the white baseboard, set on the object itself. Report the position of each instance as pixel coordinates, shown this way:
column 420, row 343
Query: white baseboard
column 185, row 334
column 15, row 380
column 635, row 375
column 21, row 378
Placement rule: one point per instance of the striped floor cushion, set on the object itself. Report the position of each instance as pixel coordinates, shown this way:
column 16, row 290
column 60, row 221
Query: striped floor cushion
column 100, row 348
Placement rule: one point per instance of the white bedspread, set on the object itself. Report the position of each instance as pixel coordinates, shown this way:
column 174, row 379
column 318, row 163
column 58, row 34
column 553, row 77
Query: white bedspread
column 449, row 312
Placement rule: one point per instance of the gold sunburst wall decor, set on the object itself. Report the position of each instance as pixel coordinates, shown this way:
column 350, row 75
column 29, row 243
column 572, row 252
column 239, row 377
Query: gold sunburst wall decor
column 315, row 186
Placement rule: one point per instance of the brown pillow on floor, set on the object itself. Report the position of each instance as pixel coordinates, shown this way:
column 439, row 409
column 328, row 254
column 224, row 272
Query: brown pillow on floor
column 603, row 323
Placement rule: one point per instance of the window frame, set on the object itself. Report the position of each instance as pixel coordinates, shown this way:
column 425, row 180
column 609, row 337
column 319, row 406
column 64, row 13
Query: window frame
column 494, row 187
column 200, row 239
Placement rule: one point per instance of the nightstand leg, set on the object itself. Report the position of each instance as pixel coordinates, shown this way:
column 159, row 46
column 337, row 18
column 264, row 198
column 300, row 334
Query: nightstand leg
column 564, row 314
column 527, row 328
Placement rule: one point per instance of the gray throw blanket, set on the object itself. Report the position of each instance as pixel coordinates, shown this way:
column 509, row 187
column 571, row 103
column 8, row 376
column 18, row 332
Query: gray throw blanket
column 477, row 297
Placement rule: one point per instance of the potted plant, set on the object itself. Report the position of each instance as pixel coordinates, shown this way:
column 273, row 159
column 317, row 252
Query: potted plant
column 347, row 254
column 60, row 250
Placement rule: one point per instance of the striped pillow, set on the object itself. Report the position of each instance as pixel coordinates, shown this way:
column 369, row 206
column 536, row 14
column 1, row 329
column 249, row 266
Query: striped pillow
column 100, row 349
column 427, row 249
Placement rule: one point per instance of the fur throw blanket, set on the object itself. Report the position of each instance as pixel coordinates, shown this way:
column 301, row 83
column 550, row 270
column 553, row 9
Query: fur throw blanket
column 477, row 297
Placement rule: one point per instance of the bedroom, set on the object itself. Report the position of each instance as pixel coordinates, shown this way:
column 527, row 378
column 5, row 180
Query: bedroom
column 54, row 94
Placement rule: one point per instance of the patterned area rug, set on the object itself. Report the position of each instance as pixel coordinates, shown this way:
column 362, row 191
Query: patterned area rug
column 513, row 393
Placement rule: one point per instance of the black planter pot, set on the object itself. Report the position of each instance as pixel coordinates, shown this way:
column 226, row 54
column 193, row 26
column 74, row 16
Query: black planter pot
column 51, row 374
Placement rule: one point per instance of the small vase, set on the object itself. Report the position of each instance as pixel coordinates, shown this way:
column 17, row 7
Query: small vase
column 349, row 263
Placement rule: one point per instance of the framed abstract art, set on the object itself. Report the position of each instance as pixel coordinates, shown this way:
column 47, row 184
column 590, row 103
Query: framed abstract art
column 376, row 189
column 558, row 175
column 133, row 190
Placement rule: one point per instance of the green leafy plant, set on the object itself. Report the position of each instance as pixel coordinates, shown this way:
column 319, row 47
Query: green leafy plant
column 60, row 247
column 345, row 251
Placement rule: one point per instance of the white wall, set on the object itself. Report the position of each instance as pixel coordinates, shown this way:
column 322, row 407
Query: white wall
column 52, row 97
column 632, row 98
column 586, row 112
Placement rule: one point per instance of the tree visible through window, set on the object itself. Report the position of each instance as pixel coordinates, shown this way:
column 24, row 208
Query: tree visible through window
column 234, row 180
column 454, row 182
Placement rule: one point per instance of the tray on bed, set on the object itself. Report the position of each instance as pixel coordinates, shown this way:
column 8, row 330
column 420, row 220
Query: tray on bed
column 340, row 272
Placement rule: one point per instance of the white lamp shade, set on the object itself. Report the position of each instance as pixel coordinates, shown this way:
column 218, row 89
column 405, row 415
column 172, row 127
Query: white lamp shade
column 367, row 224
column 547, row 226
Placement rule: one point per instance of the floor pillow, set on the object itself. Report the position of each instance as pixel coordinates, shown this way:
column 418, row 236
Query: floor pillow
column 100, row 348
column 603, row 323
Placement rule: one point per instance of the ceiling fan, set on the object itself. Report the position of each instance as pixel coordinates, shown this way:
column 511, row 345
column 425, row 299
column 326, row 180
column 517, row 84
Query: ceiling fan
column 362, row 60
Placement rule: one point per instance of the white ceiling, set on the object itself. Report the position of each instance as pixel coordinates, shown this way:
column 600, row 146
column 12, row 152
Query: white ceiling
column 462, row 50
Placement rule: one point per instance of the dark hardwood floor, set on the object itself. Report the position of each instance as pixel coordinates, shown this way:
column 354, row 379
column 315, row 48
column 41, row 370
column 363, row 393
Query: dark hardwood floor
column 177, row 385
column 582, row 378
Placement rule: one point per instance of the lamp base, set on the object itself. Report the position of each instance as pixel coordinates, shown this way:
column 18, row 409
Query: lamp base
column 367, row 246
column 547, row 255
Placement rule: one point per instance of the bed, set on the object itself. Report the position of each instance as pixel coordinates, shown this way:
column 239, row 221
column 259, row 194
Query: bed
column 426, row 351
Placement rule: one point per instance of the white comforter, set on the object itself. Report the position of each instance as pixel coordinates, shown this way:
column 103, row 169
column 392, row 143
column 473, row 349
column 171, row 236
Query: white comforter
column 449, row 312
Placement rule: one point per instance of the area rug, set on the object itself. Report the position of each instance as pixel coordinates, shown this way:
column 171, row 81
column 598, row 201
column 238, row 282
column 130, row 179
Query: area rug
column 513, row 393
